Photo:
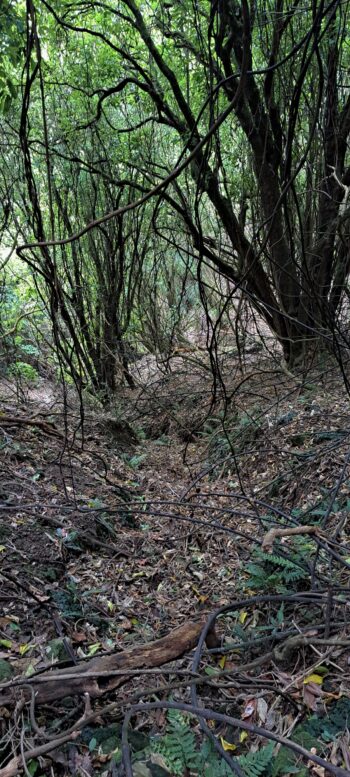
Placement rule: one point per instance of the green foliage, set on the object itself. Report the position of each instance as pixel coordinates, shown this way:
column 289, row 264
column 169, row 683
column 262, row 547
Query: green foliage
column 314, row 732
column 67, row 602
column 330, row 725
column 274, row 572
column 33, row 767
column 69, row 539
column 21, row 327
column 26, row 348
column 256, row 764
column 178, row 745
column 135, row 461
column 12, row 42
column 180, row 751
column 124, row 101
column 285, row 761
column 23, row 371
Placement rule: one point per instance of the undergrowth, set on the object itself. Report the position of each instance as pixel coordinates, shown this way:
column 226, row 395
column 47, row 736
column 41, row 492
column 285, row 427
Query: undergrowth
column 231, row 435
column 181, row 751
column 274, row 572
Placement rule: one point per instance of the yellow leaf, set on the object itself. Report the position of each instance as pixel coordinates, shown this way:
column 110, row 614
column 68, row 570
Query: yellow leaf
column 23, row 649
column 202, row 598
column 243, row 736
column 227, row 745
column 243, row 615
column 2, row 548
column 222, row 662
column 110, row 606
column 134, row 621
column 313, row 678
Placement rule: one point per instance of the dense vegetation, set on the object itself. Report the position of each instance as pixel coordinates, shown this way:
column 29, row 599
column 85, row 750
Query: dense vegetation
column 161, row 156
column 174, row 386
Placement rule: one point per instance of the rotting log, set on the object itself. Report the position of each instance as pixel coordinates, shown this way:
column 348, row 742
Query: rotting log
column 45, row 426
column 93, row 676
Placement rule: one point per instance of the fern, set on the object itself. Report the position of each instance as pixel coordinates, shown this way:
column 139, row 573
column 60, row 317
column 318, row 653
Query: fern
column 255, row 764
column 274, row 572
column 211, row 764
column 178, row 745
column 179, row 750
column 287, row 564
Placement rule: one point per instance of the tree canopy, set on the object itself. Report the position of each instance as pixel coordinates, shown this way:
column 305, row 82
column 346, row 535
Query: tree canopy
column 164, row 143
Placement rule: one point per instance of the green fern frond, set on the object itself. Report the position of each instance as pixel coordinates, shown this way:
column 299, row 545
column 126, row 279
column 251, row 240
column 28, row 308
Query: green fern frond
column 178, row 745
column 255, row 764
column 280, row 561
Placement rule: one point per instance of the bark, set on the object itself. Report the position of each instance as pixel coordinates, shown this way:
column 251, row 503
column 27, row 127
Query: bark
column 86, row 677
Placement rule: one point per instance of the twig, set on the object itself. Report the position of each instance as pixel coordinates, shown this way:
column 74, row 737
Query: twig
column 16, row 764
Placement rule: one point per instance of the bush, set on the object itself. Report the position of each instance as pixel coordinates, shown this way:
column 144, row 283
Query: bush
column 24, row 371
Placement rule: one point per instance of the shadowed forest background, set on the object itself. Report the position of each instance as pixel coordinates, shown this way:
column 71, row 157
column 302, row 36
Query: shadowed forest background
column 174, row 388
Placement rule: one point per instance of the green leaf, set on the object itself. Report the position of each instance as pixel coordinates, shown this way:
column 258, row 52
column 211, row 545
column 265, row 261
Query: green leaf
column 32, row 767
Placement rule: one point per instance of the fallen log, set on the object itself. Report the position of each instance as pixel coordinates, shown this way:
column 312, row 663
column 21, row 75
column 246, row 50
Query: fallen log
column 93, row 676
column 45, row 426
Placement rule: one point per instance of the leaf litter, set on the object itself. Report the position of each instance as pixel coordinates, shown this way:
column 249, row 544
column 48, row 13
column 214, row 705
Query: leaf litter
column 114, row 544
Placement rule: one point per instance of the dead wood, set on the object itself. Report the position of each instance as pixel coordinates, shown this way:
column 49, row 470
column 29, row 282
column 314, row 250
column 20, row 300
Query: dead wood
column 270, row 536
column 51, row 686
column 45, row 426
column 17, row 763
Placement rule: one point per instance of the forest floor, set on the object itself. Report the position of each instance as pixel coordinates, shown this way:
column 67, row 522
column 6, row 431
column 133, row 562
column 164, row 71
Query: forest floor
column 156, row 516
